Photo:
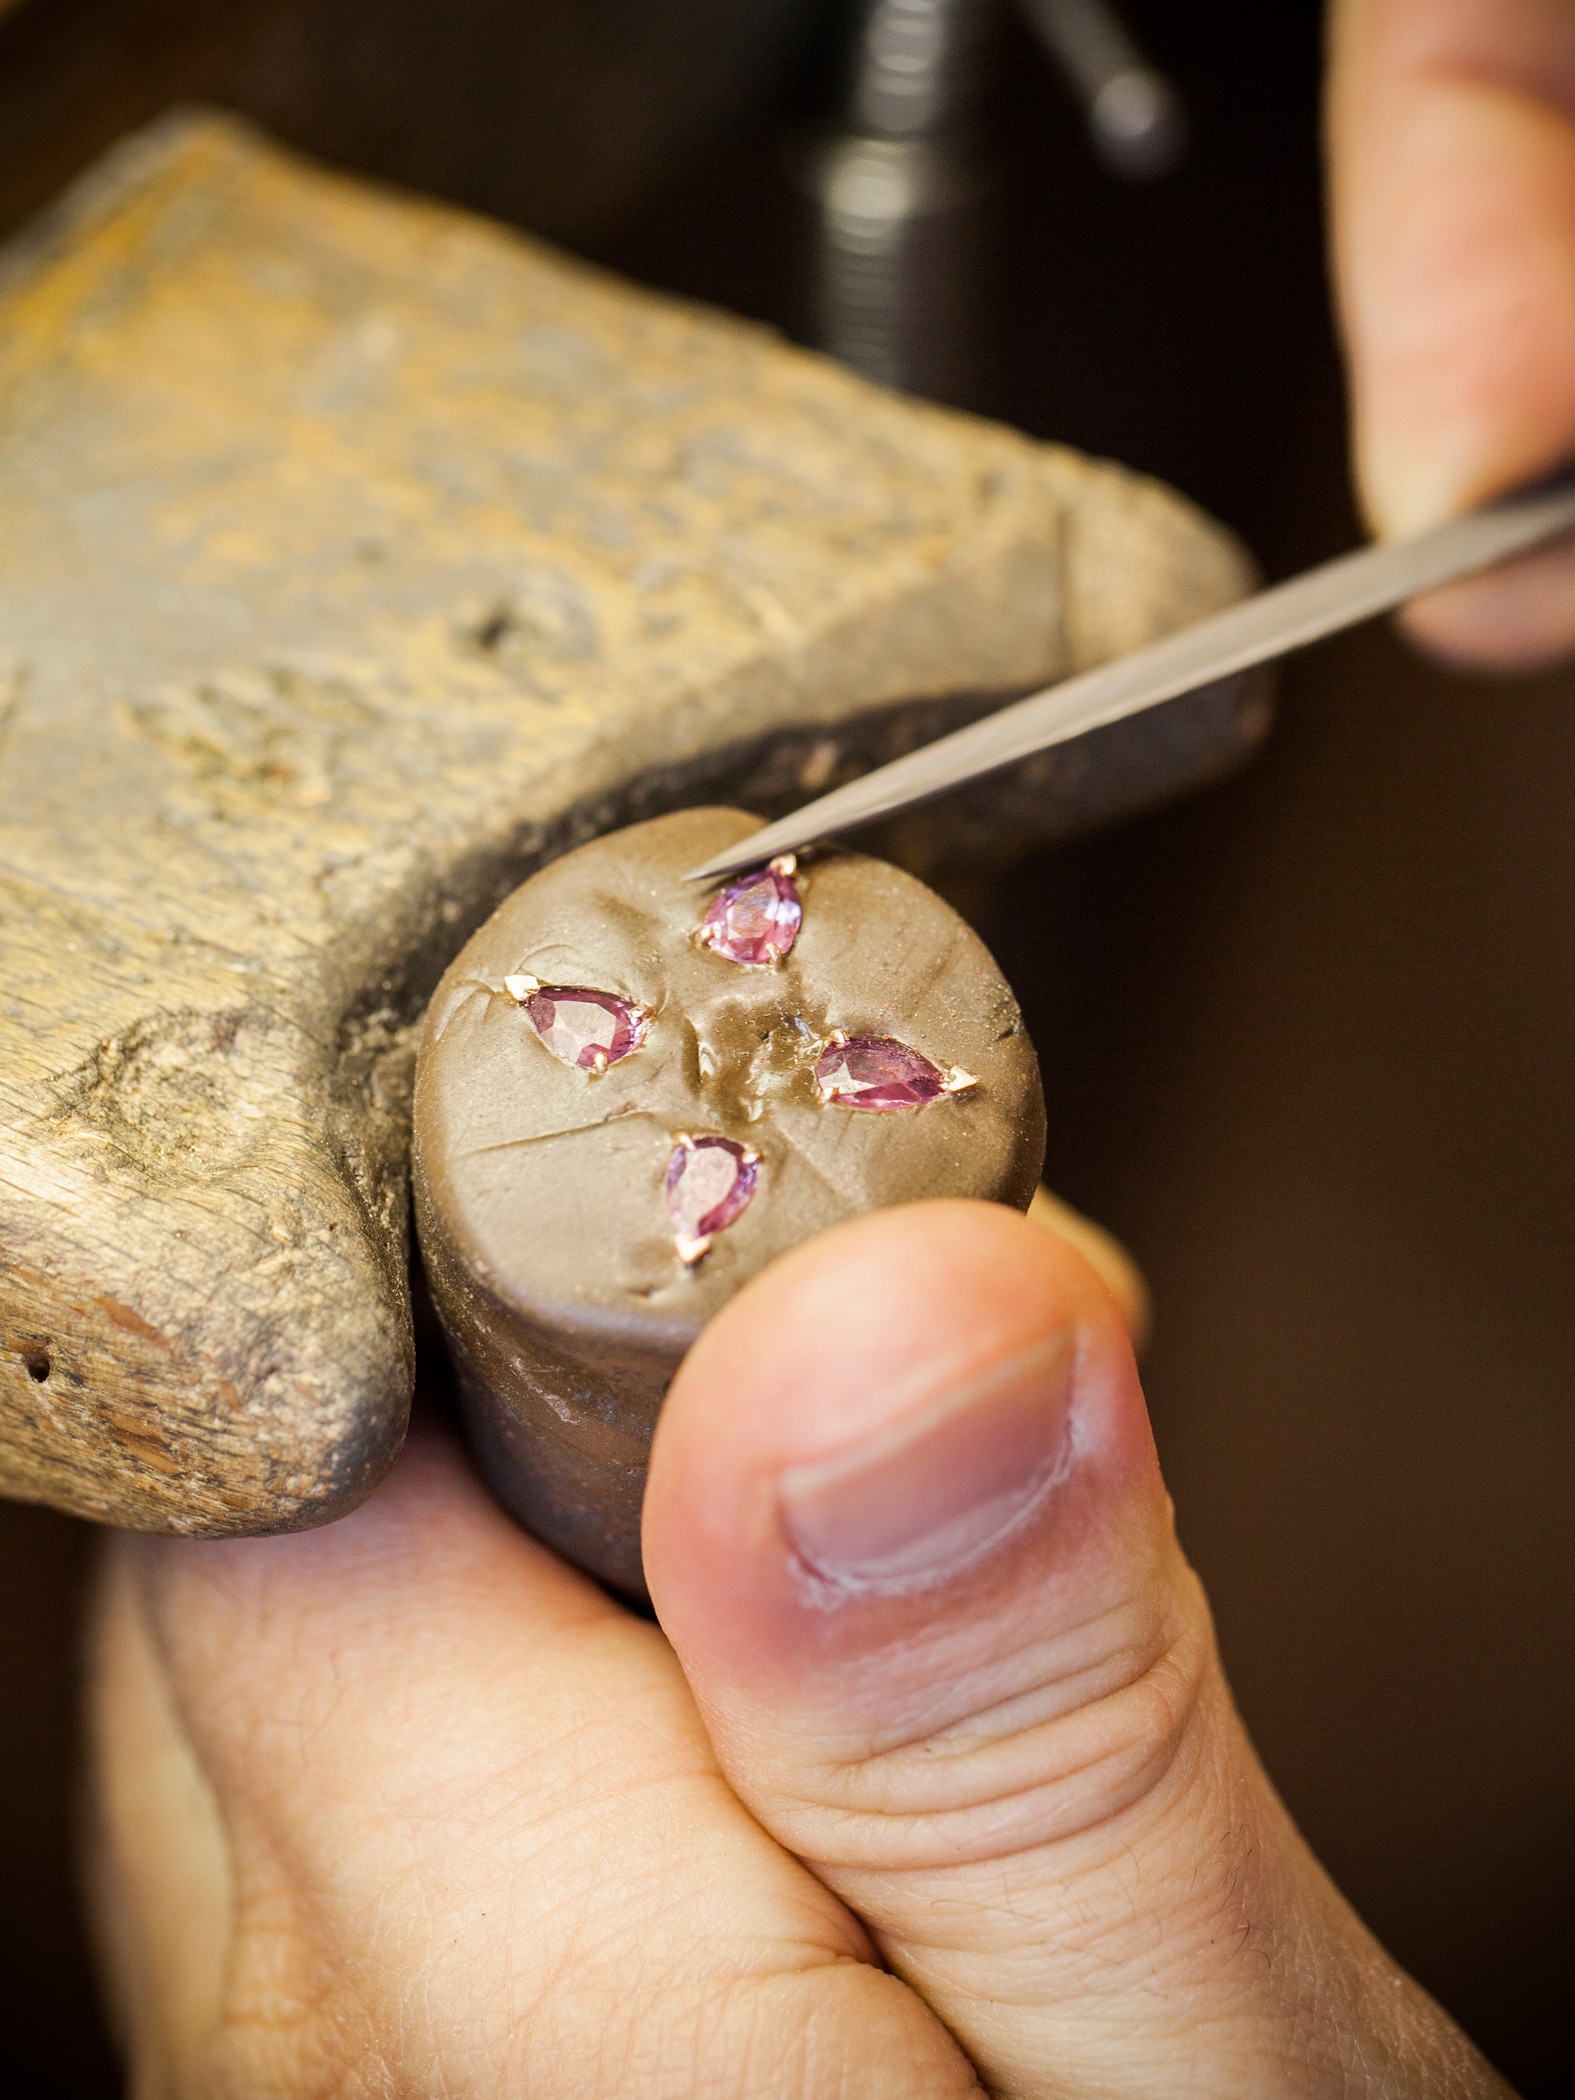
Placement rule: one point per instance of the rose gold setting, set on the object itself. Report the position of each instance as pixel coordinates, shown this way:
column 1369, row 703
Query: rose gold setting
column 825, row 1094
column 631, row 1020
column 883, row 1074
column 714, row 1200
column 692, row 1246
column 755, row 920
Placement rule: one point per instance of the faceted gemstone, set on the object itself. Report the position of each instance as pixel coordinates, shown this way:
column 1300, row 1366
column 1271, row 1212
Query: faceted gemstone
column 876, row 1071
column 756, row 919
column 709, row 1183
column 590, row 1029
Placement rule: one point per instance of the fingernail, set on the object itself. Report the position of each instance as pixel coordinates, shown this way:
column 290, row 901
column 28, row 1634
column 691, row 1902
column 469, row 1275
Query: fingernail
column 940, row 1489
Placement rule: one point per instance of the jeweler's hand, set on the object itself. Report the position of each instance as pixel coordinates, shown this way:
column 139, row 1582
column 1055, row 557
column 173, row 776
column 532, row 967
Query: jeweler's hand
column 938, row 1786
column 1452, row 153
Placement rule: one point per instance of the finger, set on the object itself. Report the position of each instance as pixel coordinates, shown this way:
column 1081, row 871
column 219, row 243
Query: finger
column 906, row 1530
column 1452, row 151
column 1106, row 1256
column 161, row 1889
column 405, row 1804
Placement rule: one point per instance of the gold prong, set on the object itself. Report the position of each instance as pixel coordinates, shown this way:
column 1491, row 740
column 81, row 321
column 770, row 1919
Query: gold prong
column 598, row 1063
column 690, row 1251
column 957, row 1081
column 521, row 985
column 784, row 864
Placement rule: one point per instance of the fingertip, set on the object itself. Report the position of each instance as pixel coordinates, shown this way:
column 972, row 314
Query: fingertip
column 861, row 1321
column 1515, row 619
column 1453, row 181
column 1106, row 1256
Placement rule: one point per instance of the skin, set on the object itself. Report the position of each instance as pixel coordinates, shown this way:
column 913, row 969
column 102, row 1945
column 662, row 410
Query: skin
column 406, row 1806
column 930, row 1782
column 1451, row 130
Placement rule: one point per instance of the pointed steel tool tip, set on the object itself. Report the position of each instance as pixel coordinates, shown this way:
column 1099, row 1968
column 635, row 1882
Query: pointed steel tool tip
column 1321, row 602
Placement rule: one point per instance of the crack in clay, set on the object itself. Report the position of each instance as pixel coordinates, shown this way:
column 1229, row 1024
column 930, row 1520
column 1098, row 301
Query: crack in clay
column 550, row 1137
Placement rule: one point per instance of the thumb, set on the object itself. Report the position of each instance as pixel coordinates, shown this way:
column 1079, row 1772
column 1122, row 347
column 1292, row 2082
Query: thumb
column 906, row 1531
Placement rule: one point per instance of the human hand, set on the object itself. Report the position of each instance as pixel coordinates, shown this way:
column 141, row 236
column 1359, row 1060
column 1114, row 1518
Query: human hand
column 938, row 1784
column 1452, row 154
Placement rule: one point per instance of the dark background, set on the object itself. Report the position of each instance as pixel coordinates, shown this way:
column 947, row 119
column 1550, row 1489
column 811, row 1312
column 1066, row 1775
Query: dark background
column 1307, row 1038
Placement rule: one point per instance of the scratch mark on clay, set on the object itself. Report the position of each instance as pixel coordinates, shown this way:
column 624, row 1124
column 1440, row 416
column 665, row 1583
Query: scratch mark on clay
column 551, row 1137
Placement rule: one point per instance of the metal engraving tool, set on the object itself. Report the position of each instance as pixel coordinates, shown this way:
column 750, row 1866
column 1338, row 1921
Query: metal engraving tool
column 1323, row 601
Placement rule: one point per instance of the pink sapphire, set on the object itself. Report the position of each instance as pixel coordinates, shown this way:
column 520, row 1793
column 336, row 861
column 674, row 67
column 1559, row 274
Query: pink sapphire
column 709, row 1183
column 756, row 919
column 876, row 1071
column 590, row 1029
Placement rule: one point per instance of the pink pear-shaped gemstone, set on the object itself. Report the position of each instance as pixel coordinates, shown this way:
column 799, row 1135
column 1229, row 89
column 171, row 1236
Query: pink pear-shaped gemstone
column 876, row 1071
column 709, row 1183
column 590, row 1029
column 756, row 919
